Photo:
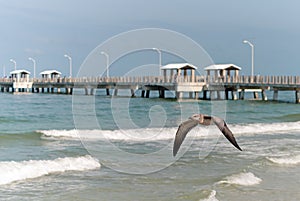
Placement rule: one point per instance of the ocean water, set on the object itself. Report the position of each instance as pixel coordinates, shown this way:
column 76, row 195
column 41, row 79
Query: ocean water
column 55, row 147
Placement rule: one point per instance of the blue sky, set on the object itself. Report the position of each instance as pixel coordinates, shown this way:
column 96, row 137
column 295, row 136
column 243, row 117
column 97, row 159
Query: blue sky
column 46, row 30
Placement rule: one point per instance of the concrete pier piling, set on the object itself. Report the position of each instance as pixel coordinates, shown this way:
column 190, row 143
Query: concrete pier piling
column 275, row 95
column 264, row 95
column 297, row 94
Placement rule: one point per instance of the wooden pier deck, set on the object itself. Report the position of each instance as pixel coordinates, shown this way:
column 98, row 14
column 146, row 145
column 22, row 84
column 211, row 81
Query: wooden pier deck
column 209, row 86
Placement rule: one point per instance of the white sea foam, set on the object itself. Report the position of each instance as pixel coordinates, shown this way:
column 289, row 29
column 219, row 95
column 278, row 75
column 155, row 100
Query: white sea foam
column 148, row 134
column 153, row 134
column 288, row 160
column 265, row 128
column 211, row 197
column 243, row 179
column 59, row 133
column 15, row 171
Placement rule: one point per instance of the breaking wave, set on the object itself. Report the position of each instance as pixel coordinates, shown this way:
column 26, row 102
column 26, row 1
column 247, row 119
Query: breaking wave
column 16, row 171
column 211, row 197
column 243, row 179
column 152, row 134
column 290, row 160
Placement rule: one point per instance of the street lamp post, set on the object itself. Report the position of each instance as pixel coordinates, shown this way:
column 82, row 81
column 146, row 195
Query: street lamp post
column 252, row 56
column 34, row 65
column 159, row 54
column 15, row 63
column 107, row 63
column 70, row 63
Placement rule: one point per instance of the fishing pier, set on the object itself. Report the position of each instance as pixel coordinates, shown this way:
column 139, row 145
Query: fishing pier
column 220, row 82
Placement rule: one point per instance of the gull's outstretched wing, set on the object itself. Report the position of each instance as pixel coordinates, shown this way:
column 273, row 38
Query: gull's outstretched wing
column 183, row 129
column 221, row 124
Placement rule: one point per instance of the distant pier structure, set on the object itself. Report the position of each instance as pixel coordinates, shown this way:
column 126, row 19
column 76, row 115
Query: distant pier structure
column 219, row 82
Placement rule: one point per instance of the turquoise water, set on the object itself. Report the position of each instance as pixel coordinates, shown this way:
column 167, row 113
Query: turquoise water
column 128, row 155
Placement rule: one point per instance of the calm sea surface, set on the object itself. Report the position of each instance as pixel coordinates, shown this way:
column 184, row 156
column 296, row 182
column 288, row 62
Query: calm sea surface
column 57, row 147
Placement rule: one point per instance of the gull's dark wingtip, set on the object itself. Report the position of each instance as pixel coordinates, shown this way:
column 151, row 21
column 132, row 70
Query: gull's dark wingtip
column 238, row 147
column 174, row 153
column 221, row 124
column 232, row 140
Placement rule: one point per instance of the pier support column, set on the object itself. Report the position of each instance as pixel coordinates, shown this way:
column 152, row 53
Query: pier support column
column 86, row 90
column 255, row 95
column 107, row 91
column 218, row 95
column 264, row 95
column 297, row 94
column 242, row 94
column 92, row 91
column 178, row 95
column 162, row 93
column 205, row 95
column 233, row 95
column 147, row 93
column 143, row 94
column 275, row 95
column 116, row 91
column 226, row 94
column 132, row 92
column 43, row 90
column 196, row 95
column 69, row 90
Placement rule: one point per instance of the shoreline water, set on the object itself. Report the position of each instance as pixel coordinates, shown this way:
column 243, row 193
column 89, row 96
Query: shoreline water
column 39, row 130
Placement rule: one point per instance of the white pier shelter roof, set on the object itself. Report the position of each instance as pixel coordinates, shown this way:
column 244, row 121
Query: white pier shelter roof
column 19, row 72
column 176, row 66
column 223, row 67
column 49, row 72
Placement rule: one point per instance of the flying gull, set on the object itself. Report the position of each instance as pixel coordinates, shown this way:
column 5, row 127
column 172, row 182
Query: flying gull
column 206, row 120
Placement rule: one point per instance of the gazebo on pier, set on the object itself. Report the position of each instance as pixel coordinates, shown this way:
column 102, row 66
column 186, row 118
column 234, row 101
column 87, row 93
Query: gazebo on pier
column 20, row 75
column 179, row 72
column 50, row 74
column 21, row 81
column 221, row 71
column 183, row 78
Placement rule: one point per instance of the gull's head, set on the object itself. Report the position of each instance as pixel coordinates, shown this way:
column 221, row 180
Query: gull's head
column 197, row 117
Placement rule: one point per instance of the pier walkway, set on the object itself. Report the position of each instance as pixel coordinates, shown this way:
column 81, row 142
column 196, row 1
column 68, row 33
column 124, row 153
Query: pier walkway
column 211, row 87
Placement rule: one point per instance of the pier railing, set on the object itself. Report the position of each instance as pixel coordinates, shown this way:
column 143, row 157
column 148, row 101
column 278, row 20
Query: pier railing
column 275, row 80
column 125, row 79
